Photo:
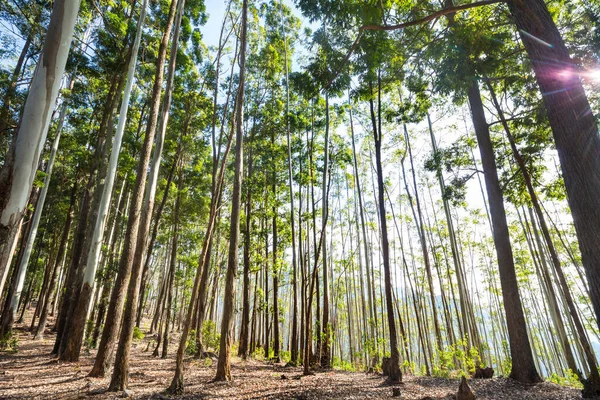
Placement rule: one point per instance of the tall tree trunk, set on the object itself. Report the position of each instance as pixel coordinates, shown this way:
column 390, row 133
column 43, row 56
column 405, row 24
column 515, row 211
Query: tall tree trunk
column 243, row 349
column 465, row 314
column 313, row 281
column 157, row 218
column 114, row 246
column 58, row 262
column 201, row 279
column 359, row 209
column 71, row 270
column 325, row 346
column 276, row 343
column 294, row 333
column 94, row 194
column 418, row 217
column 573, row 126
column 173, row 264
column 138, row 224
column 395, row 375
column 78, row 320
column 21, row 162
column 523, row 366
column 48, row 270
column 199, row 303
column 266, row 282
column 592, row 386
column 6, row 325
column 115, row 308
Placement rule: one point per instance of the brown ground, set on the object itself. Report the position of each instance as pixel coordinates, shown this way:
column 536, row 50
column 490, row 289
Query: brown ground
column 32, row 373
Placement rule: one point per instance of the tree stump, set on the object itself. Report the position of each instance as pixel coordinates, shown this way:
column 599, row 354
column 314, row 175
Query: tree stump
column 464, row 391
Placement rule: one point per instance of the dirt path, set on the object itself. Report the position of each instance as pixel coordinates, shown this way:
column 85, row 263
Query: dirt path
column 32, row 373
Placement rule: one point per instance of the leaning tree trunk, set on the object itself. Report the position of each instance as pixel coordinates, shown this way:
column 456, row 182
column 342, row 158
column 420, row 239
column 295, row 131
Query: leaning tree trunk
column 592, row 385
column 223, row 366
column 115, row 308
column 7, row 320
column 73, row 344
column 138, row 224
column 21, row 162
column 573, row 126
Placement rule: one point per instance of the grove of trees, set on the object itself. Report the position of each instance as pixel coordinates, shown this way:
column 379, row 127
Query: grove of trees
column 412, row 186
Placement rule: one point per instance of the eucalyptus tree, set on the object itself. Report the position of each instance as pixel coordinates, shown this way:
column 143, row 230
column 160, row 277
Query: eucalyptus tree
column 93, row 257
column 111, row 45
column 591, row 384
column 286, row 56
column 221, row 148
column 223, row 366
column 117, row 300
column 564, row 97
column 18, row 172
column 197, row 304
column 120, row 374
column 523, row 363
column 19, row 279
column 28, row 20
column 573, row 126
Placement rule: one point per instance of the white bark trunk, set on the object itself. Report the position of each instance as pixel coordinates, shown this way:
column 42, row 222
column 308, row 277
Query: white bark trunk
column 39, row 105
column 14, row 302
column 36, row 117
column 93, row 257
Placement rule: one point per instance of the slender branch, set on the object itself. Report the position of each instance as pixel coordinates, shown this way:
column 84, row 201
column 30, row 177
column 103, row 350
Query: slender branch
column 420, row 21
column 430, row 17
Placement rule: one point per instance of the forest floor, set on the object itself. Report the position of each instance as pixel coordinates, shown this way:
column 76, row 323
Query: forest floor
column 33, row 373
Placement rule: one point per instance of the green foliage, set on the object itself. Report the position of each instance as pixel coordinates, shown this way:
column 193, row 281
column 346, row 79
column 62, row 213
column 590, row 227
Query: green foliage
column 456, row 360
column 258, row 354
column 285, row 355
column 506, row 361
column 343, row 365
column 138, row 334
column 191, row 347
column 210, row 337
column 569, row 379
column 10, row 343
column 409, row 366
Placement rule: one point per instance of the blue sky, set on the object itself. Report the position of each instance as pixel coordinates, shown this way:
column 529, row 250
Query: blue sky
column 210, row 31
